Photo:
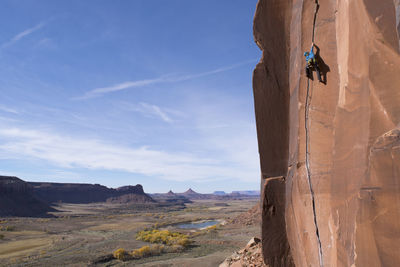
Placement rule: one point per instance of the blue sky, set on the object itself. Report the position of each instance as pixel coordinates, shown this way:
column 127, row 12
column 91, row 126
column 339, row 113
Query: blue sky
column 153, row 92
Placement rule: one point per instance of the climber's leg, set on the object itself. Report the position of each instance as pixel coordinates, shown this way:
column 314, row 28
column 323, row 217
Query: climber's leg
column 318, row 73
column 309, row 72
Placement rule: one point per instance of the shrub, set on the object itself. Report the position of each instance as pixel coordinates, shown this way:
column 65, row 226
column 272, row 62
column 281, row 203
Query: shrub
column 121, row 254
column 146, row 251
column 163, row 237
column 157, row 249
column 174, row 249
column 8, row 228
column 184, row 242
column 212, row 227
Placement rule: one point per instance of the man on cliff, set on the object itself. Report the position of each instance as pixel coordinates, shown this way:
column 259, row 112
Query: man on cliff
column 311, row 63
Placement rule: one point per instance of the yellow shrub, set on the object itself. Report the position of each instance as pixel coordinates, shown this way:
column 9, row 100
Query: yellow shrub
column 214, row 227
column 121, row 254
column 146, row 251
column 163, row 237
column 156, row 249
column 184, row 242
column 136, row 254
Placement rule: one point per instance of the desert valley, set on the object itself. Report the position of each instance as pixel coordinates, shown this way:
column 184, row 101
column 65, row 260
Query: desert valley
column 82, row 224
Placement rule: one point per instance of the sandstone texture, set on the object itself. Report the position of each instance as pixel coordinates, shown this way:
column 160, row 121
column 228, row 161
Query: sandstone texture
column 330, row 158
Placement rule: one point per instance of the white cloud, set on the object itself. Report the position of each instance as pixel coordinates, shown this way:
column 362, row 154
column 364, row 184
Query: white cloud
column 22, row 34
column 163, row 79
column 72, row 153
column 118, row 87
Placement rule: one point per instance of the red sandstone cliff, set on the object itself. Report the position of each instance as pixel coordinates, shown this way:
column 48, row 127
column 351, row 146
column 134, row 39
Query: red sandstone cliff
column 345, row 209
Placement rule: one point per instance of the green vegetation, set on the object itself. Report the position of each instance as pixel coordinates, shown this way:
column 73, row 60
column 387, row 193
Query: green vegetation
column 164, row 237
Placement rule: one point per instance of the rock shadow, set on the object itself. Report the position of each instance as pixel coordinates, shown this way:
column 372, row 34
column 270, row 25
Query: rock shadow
column 323, row 67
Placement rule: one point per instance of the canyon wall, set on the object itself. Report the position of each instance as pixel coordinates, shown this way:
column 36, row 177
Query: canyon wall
column 17, row 199
column 329, row 152
column 88, row 193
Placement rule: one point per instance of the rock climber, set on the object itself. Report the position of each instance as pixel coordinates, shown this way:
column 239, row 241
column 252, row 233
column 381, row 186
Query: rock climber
column 311, row 63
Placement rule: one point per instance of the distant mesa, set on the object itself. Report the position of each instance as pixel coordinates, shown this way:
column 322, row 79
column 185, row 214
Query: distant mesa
column 219, row 195
column 171, row 198
column 72, row 193
column 34, row 199
column 247, row 193
column 89, row 193
column 190, row 192
column 192, row 195
column 17, row 199
column 170, row 193
column 130, row 189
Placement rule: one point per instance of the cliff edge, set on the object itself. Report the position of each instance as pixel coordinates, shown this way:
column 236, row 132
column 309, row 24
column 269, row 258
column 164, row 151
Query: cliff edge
column 329, row 152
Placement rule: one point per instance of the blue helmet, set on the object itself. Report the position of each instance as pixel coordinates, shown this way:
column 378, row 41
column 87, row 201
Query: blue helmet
column 306, row 54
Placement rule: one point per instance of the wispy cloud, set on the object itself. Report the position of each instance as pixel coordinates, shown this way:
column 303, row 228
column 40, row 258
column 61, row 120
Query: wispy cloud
column 23, row 34
column 8, row 109
column 154, row 110
column 171, row 78
column 149, row 110
column 71, row 153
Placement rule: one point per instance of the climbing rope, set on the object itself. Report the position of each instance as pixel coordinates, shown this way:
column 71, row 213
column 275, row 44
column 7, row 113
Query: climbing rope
column 307, row 107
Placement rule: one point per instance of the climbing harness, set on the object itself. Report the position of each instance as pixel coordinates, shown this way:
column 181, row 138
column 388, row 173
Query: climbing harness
column 307, row 106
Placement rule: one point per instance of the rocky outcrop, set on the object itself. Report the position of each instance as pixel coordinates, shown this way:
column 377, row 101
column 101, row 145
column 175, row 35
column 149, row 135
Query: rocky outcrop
column 249, row 256
column 329, row 152
column 17, row 199
column 130, row 194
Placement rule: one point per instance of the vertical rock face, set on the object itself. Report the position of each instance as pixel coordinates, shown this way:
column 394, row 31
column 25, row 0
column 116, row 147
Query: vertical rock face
column 345, row 209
